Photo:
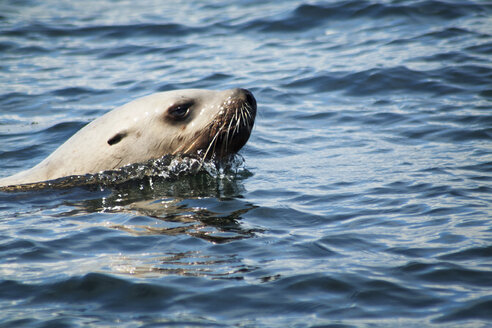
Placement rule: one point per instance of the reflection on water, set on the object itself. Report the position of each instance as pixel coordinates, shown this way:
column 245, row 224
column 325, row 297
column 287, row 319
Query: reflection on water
column 368, row 200
column 186, row 216
column 193, row 264
column 202, row 206
column 190, row 217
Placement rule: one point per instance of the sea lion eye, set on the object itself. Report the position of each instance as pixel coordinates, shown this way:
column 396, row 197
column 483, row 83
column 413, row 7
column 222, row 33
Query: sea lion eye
column 180, row 110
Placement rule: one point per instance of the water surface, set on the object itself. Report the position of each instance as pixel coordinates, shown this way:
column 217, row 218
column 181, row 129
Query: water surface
column 365, row 194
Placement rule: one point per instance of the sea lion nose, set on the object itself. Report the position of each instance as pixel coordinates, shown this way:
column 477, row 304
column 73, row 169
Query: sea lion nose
column 250, row 99
column 246, row 95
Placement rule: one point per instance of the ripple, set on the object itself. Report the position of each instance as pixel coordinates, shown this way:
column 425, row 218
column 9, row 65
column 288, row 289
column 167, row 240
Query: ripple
column 363, row 197
column 106, row 31
column 378, row 81
column 447, row 274
column 76, row 91
column 483, row 49
column 473, row 310
column 308, row 16
column 470, row 254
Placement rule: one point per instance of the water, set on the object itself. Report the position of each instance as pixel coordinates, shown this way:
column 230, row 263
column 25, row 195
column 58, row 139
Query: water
column 365, row 194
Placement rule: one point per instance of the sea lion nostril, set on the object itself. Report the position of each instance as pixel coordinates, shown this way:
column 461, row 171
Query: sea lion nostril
column 249, row 98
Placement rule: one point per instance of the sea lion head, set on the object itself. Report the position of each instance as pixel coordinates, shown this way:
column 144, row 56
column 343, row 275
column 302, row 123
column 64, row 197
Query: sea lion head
column 210, row 123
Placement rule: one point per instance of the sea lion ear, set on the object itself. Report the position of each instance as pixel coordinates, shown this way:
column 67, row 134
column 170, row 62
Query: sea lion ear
column 116, row 138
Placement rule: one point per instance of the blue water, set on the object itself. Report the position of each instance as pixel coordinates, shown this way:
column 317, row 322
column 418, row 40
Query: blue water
column 364, row 199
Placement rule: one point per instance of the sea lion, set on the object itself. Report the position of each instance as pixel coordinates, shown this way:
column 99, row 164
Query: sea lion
column 211, row 123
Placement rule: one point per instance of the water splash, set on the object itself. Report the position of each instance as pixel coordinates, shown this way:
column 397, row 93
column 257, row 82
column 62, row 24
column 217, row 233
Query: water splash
column 167, row 168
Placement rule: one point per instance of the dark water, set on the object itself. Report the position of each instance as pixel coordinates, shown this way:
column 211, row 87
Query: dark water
column 365, row 197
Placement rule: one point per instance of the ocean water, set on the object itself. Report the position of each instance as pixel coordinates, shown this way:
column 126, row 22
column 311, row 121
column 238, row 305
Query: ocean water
column 362, row 199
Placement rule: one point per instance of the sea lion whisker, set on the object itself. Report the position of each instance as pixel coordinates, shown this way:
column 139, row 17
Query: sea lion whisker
column 247, row 112
column 238, row 122
column 227, row 134
column 214, row 139
column 248, row 117
column 190, row 147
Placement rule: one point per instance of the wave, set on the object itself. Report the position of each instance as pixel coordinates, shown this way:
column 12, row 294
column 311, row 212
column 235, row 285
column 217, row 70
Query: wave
column 166, row 168
column 107, row 31
column 377, row 81
column 308, row 16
